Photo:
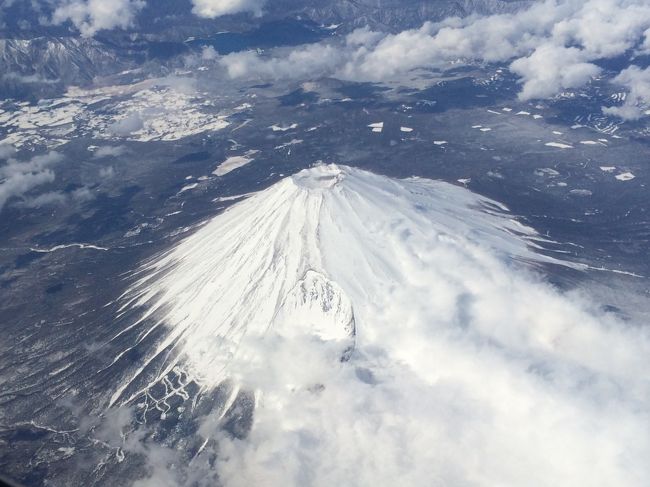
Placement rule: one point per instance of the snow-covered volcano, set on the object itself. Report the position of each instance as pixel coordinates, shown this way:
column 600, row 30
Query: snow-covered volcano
column 396, row 334
column 298, row 258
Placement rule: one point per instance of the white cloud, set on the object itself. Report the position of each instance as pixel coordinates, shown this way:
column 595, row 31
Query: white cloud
column 637, row 82
column 45, row 199
column 109, row 151
column 6, row 151
column 107, row 172
column 310, row 61
column 19, row 177
column 552, row 46
column 131, row 123
column 467, row 370
column 552, row 68
column 91, row 16
column 209, row 53
column 82, row 194
column 216, row 8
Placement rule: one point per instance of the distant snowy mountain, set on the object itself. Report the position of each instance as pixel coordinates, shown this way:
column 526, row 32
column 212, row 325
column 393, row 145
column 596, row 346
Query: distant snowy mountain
column 56, row 58
column 41, row 65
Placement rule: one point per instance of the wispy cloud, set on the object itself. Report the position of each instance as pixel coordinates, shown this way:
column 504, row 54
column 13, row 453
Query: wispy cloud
column 19, row 177
column 109, row 151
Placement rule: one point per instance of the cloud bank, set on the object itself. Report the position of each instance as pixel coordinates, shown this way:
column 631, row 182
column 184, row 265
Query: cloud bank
column 467, row 369
column 552, row 46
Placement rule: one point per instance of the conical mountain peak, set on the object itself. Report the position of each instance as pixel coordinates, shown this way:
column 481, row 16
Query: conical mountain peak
column 304, row 258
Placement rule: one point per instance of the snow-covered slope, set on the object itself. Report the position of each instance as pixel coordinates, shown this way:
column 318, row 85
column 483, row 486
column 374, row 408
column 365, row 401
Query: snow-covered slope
column 298, row 257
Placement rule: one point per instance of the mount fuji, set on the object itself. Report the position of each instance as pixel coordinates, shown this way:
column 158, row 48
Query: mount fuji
column 300, row 257
column 373, row 314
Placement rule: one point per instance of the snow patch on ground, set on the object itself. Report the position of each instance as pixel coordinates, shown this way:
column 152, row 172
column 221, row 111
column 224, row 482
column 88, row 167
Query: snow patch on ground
column 283, row 128
column 234, row 162
column 547, row 171
column 141, row 112
column 559, row 145
column 289, row 144
column 188, row 187
column 626, row 176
